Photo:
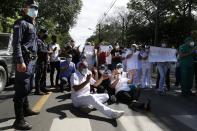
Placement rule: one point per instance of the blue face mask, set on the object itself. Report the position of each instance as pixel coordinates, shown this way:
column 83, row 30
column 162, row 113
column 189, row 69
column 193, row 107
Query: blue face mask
column 32, row 12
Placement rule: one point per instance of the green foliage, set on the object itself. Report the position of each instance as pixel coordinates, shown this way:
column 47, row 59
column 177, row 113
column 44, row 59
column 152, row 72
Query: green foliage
column 175, row 22
column 57, row 16
column 61, row 13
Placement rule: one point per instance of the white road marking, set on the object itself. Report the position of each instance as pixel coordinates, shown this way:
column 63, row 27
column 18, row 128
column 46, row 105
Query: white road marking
column 188, row 120
column 139, row 123
column 71, row 124
column 8, row 123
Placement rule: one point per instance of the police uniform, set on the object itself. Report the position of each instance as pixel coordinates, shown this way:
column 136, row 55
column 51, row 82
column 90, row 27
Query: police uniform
column 41, row 67
column 24, row 51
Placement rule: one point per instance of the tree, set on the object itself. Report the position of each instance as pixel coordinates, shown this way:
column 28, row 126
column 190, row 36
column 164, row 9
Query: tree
column 58, row 16
column 8, row 12
column 61, row 13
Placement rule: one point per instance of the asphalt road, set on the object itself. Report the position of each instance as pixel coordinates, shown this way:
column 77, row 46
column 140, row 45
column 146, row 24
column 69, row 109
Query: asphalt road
column 171, row 112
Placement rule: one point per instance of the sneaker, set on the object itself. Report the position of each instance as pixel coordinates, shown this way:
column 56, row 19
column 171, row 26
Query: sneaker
column 116, row 114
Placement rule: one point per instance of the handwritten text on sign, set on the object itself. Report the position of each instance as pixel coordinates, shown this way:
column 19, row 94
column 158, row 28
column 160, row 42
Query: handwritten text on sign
column 158, row 54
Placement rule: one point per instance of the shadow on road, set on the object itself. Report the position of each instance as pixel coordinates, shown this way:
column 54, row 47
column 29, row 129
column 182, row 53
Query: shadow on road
column 60, row 108
column 7, row 127
column 64, row 97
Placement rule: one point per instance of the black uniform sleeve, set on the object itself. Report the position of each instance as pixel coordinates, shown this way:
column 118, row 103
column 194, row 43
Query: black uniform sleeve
column 17, row 40
column 41, row 47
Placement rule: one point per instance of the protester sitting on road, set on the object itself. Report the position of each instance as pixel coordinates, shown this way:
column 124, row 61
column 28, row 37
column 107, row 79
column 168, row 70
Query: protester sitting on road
column 67, row 67
column 125, row 91
column 81, row 97
column 105, row 86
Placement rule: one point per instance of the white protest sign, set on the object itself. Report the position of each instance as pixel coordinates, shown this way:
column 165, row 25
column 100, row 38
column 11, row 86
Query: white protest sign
column 158, row 54
column 89, row 49
column 104, row 48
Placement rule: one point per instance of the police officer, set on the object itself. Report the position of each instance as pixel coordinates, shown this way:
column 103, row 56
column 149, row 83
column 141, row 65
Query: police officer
column 41, row 65
column 24, row 55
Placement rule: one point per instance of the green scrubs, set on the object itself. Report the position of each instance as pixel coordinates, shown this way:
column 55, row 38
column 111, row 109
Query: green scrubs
column 186, row 69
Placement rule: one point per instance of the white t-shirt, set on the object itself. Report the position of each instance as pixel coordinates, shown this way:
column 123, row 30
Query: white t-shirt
column 145, row 63
column 132, row 62
column 109, row 59
column 122, row 85
column 76, row 79
column 89, row 52
column 55, row 55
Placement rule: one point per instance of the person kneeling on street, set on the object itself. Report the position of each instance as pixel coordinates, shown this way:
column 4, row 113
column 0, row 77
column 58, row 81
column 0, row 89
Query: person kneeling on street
column 67, row 67
column 81, row 97
column 126, row 92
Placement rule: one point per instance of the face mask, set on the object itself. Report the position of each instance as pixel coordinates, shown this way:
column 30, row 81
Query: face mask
column 33, row 13
column 120, row 70
column 101, row 71
column 147, row 50
column 133, row 49
column 68, row 60
column 192, row 44
column 83, row 60
column 84, row 71
column 117, row 47
column 163, row 45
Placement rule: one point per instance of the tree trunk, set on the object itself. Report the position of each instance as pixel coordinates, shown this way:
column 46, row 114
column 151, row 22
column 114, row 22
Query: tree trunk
column 190, row 8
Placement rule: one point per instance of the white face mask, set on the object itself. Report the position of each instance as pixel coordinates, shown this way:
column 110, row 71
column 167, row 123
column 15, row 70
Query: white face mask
column 101, row 71
column 163, row 45
column 192, row 44
column 120, row 70
column 117, row 47
column 133, row 49
column 33, row 13
column 68, row 60
column 83, row 60
column 147, row 50
column 84, row 71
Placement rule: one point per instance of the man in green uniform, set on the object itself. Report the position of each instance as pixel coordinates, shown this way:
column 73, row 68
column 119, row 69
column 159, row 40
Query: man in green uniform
column 186, row 65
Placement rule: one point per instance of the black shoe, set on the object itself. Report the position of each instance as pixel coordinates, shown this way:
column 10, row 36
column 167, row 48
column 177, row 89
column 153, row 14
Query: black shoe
column 45, row 90
column 132, row 107
column 39, row 93
column 29, row 112
column 22, row 125
column 147, row 105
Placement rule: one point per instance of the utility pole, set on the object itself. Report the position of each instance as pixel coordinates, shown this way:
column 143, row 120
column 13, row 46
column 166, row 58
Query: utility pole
column 99, row 33
column 123, row 28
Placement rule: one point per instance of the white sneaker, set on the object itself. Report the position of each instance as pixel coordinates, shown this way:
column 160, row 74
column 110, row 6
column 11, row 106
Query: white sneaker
column 116, row 114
